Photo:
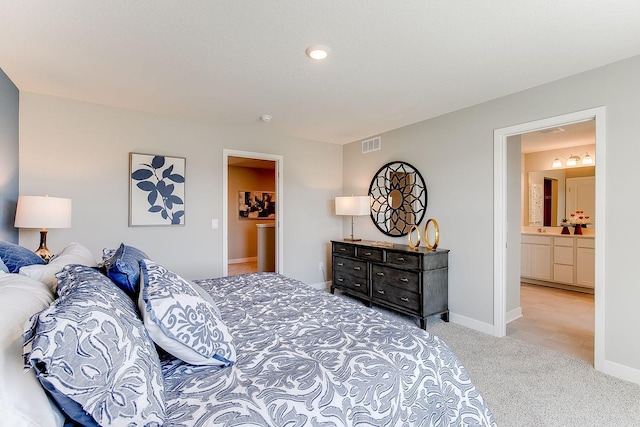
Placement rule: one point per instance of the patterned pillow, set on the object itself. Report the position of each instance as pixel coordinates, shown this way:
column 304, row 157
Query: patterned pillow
column 92, row 354
column 15, row 256
column 124, row 267
column 181, row 321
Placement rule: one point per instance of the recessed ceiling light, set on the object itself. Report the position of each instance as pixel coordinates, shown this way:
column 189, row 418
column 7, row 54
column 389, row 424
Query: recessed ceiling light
column 317, row 52
column 265, row 118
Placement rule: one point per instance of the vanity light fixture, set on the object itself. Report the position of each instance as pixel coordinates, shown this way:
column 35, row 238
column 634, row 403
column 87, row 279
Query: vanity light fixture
column 573, row 161
column 317, row 52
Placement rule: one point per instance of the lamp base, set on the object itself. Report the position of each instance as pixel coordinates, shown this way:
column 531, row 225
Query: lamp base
column 351, row 239
column 42, row 251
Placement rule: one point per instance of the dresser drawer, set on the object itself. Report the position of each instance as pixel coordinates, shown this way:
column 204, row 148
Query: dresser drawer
column 350, row 282
column 407, row 280
column 370, row 254
column 350, row 266
column 397, row 296
column 403, row 259
column 344, row 249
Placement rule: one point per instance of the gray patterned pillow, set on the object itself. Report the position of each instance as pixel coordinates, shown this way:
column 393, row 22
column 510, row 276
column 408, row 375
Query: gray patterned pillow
column 180, row 320
column 91, row 352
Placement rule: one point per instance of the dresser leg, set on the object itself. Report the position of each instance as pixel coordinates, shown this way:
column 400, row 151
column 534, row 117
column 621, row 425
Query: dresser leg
column 423, row 323
column 445, row 316
column 332, row 289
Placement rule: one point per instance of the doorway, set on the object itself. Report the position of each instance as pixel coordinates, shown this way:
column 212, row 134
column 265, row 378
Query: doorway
column 253, row 204
column 503, row 262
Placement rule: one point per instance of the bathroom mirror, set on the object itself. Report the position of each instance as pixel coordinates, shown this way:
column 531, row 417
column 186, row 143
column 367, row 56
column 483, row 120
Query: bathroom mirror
column 398, row 198
column 554, row 194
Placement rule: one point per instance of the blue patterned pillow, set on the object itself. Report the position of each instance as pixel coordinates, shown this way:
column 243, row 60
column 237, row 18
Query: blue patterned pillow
column 181, row 321
column 15, row 256
column 124, row 267
column 91, row 352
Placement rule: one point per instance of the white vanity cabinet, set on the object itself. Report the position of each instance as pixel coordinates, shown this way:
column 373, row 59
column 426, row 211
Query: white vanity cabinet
column 536, row 257
column 562, row 260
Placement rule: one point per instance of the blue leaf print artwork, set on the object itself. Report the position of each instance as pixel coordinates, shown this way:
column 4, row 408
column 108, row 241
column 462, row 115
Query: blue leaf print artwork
column 159, row 179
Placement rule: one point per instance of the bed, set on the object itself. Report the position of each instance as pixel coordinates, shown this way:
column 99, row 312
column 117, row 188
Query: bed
column 286, row 354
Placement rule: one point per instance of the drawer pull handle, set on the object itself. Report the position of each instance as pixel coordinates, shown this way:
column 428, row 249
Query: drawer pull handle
column 405, row 299
column 340, row 264
column 343, row 249
column 340, row 280
column 356, row 268
column 380, row 274
column 381, row 292
column 357, row 285
column 400, row 259
column 367, row 253
column 404, row 279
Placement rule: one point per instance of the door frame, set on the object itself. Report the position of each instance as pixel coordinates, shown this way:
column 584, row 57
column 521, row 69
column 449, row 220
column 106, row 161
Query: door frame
column 500, row 218
column 279, row 160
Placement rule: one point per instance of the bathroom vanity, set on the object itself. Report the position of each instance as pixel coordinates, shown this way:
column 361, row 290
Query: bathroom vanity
column 565, row 261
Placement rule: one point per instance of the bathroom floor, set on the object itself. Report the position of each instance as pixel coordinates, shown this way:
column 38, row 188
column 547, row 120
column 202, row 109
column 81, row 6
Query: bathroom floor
column 557, row 319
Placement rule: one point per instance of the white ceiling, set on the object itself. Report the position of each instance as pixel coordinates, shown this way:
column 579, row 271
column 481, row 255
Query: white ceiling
column 577, row 134
column 392, row 63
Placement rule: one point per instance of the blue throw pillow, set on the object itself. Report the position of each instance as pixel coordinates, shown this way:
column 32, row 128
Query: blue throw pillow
column 93, row 355
column 181, row 321
column 124, row 268
column 15, row 256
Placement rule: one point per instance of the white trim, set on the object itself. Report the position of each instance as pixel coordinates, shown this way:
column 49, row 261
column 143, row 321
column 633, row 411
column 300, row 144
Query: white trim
column 471, row 323
column 280, row 200
column 514, row 314
column 621, row 371
column 500, row 223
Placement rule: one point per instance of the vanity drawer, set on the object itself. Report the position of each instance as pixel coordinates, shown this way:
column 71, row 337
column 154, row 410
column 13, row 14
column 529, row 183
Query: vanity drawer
column 563, row 255
column 370, row 254
column 586, row 243
column 400, row 297
column 350, row 266
column 344, row 249
column 402, row 279
column 351, row 283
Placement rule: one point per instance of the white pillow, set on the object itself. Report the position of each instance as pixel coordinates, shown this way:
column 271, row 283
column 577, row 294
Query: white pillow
column 23, row 401
column 74, row 253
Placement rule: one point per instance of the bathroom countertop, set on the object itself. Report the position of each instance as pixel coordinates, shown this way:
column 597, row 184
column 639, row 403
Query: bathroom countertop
column 556, row 231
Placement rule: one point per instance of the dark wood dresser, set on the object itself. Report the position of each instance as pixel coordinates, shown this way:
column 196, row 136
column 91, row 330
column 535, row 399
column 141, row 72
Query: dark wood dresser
column 409, row 281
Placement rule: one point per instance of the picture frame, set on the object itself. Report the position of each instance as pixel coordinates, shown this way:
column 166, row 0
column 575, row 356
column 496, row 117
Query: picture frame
column 156, row 190
column 256, row 204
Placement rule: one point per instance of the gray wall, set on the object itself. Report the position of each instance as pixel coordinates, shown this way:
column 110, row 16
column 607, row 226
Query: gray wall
column 9, row 106
column 454, row 153
column 81, row 151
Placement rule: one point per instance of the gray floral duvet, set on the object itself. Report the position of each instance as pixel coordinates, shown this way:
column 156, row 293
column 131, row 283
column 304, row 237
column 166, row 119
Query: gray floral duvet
column 309, row 358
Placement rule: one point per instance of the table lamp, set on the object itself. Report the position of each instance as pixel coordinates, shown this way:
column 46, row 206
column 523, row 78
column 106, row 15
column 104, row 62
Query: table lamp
column 354, row 206
column 43, row 212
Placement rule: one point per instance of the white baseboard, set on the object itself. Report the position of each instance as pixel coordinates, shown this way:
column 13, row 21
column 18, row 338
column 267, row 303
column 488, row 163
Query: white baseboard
column 621, row 371
column 241, row 260
column 514, row 314
column 471, row 323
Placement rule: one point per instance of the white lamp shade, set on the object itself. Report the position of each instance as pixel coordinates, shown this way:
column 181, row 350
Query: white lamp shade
column 43, row 212
column 353, row 205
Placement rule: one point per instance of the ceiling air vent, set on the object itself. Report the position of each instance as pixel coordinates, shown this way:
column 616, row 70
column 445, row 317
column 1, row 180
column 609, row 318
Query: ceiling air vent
column 371, row 144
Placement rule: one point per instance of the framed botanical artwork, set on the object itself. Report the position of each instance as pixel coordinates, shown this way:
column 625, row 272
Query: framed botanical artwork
column 257, row 204
column 156, row 190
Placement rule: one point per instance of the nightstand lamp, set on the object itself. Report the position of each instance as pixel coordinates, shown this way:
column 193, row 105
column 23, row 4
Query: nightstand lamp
column 354, row 206
column 43, row 212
